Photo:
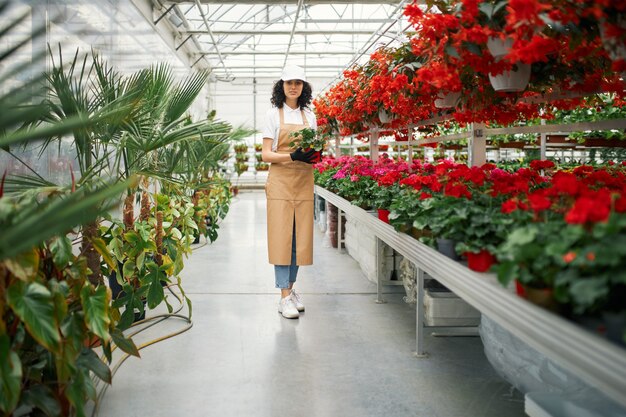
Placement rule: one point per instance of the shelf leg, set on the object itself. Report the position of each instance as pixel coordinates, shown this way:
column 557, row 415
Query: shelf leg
column 339, row 229
column 419, row 316
column 379, row 272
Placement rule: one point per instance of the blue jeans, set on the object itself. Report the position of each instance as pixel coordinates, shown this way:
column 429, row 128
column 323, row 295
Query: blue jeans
column 287, row 273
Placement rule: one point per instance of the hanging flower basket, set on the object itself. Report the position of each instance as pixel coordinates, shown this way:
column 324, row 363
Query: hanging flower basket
column 448, row 100
column 509, row 81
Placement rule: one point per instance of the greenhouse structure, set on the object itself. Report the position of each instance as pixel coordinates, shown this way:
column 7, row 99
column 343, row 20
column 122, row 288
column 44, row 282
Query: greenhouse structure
column 313, row 208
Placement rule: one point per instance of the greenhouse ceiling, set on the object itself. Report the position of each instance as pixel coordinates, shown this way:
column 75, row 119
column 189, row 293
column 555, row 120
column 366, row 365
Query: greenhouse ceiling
column 245, row 39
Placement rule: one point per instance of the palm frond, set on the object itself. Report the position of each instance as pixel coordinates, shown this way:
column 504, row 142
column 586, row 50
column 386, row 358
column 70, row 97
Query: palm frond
column 184, row 95
column 29, row 223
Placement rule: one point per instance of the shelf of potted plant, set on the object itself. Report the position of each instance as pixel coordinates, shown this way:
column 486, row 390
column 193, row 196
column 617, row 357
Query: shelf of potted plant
column 592, row 358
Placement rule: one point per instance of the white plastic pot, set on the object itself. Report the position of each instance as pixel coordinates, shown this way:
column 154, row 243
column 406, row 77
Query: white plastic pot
column 510, row 81
column 499, row 47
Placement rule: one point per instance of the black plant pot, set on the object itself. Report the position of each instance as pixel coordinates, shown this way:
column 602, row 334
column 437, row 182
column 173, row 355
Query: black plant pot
column 116, row 288
column 446, row 247
column 117, row 292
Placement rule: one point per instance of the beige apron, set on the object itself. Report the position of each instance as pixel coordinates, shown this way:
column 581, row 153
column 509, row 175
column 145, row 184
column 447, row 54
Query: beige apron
column 289, row 192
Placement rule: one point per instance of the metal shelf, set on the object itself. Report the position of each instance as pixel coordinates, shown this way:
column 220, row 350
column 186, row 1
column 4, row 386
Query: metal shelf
column 595, row 360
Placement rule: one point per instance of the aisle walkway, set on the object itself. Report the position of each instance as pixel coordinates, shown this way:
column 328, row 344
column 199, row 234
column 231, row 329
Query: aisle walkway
column 345, row 357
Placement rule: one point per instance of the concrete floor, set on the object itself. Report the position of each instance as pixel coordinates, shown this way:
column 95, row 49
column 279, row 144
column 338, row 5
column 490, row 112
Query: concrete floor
column 346, row 356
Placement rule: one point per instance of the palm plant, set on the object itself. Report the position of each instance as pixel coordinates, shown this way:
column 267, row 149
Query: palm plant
column 18, row 127
column 45, row 370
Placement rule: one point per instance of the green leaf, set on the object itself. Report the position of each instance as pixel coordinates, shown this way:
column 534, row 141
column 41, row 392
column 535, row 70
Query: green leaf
column 89, row 360
column 177, row 234
column 42, row 397
column 140, row 260
column 61, row 249
column 451, row 50
column 11, row 372
column 24, row 266
column 104, row 251
column 33, row 303
column 190, row 223
column 132, row 237
column 155, row 290
column 96, row 308
column 522, row 236
column 76, row 393
column 128, row 269
column 126, row 344
column 507, row 272
column 588, row 291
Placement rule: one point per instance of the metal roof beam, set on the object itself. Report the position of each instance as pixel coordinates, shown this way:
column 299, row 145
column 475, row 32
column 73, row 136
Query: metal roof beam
column 284, row 32
column 282, row 2
column 225, row 53
column 279, row 67
column 345, row 21
column 208, row 28
column 293, row 30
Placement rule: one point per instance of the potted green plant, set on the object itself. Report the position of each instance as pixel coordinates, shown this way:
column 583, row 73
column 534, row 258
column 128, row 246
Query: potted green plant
column 241, row 148
column 308, row 139
column 262, row 166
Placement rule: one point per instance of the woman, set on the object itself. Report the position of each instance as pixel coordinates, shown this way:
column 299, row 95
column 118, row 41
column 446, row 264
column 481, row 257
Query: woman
column 289, row 187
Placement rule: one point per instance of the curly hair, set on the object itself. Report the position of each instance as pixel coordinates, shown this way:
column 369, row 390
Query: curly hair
column 278, row 95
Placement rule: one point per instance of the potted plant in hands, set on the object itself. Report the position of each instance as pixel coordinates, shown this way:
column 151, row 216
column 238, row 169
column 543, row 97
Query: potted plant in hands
column 308, row 139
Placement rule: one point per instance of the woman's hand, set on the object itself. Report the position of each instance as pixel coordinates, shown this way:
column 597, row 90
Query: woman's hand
column 309, row 156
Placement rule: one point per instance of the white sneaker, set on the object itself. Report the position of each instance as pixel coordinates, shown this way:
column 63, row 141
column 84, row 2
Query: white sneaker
column 287, row 308
column 297, row 300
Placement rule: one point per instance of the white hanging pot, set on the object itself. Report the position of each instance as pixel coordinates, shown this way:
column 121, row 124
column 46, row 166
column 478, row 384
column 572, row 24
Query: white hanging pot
column 511, row 81
column 383, row 116
column 448, row 100
column 508, row 81
column 499, row 47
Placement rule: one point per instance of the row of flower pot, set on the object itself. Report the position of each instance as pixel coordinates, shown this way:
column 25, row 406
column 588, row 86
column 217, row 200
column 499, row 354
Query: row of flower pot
column 242, row 157
column 551, row 231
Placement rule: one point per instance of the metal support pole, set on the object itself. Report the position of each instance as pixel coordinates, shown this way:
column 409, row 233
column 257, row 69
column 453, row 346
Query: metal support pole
column 183, row 42
column 169, row 9
column 542, row 143
column 379, row 272
column 339, row 231
column 374, row 145
column 409, row 145
column 419, row 316
column 478, row 145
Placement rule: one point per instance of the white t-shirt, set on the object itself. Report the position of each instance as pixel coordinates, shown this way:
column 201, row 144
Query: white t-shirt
column 292, row 116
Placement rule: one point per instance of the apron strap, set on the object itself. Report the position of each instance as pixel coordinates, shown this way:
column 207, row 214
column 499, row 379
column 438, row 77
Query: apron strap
column 281, row 116
column 305, row 122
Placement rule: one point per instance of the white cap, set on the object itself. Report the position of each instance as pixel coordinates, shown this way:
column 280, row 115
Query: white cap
column 293, row 72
